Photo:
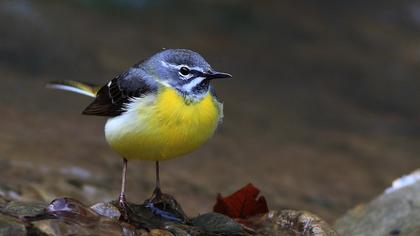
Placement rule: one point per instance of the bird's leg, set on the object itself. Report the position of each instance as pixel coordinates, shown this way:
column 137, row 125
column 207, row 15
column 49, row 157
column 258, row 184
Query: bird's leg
column 164, row 205
column 157, row 193
column 122, row 202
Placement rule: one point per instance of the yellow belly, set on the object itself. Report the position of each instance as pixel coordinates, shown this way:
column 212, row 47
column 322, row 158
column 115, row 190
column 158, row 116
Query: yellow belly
column 163, row 126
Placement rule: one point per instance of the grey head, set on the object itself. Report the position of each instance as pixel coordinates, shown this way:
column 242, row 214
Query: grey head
column 184, row 70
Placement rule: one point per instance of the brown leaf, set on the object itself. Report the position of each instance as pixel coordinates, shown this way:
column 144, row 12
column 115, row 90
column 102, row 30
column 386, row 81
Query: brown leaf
column 242, row 204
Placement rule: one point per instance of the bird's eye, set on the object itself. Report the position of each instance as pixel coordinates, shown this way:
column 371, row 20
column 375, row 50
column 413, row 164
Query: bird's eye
column 184, row 70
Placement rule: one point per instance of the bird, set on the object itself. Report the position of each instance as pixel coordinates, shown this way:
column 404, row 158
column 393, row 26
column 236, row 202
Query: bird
column 160, row 108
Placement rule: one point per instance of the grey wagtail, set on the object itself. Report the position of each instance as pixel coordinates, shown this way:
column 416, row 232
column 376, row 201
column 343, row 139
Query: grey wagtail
column 158, row 109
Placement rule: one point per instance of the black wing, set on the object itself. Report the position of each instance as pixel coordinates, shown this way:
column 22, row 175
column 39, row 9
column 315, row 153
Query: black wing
column 112, row 98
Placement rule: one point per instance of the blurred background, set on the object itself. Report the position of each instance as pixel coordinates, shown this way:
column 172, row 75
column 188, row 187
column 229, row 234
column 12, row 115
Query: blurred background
column 323, row 112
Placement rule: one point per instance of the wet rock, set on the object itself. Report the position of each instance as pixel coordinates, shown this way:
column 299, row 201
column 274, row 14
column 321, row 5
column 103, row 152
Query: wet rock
column 107, row 210
column 19, row 209
column 70, row 208
column 72, row 227
column 66, row 216
column 291, row 223
column 217, row 224
column 157, row 232
column 396, row 212
column 180, row 230
column 11, row 226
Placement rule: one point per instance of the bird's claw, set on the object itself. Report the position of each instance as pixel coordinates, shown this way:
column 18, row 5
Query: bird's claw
column 162, row 213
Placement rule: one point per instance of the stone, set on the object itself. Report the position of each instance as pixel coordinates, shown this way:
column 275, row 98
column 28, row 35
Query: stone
column 158, row 232
column 395, row 212
column 11, row 226
column 106, row 209
column 217, row 224
column 291, row 223
column 27, row 209
column 66, row 216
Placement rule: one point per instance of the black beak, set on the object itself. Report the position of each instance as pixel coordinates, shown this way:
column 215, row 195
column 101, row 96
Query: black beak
column 217, row 75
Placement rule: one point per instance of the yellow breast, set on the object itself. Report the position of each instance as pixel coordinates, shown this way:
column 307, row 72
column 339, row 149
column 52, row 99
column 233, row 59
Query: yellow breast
column 163, row 126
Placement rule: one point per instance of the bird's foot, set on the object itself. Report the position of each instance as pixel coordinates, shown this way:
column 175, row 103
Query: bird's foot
column 162, row 213
column 165, row 206
column 157, row 195
column 123, row 207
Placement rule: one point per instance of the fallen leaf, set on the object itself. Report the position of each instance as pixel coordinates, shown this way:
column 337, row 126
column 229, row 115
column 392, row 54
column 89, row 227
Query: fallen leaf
column 242, row 204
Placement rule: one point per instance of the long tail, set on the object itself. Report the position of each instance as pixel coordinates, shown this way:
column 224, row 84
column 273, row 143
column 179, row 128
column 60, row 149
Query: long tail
column 74, row 86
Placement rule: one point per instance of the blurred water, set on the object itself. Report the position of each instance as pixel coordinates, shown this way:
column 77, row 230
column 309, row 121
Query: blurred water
column 322, row 112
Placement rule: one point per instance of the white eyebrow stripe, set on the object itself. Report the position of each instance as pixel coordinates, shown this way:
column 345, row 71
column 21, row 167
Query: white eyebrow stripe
column 193, row 83
column 177, row 67
column 168, row 65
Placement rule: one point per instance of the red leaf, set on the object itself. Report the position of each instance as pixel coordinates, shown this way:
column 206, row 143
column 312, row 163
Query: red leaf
column 241, row 204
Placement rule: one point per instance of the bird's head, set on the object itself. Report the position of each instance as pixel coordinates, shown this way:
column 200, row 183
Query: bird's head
column 184, row 70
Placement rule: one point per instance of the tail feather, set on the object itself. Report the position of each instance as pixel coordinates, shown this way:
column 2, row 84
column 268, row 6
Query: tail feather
column 75, row 86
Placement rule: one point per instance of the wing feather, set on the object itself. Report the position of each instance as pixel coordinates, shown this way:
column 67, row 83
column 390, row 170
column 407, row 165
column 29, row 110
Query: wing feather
column 112, row 98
